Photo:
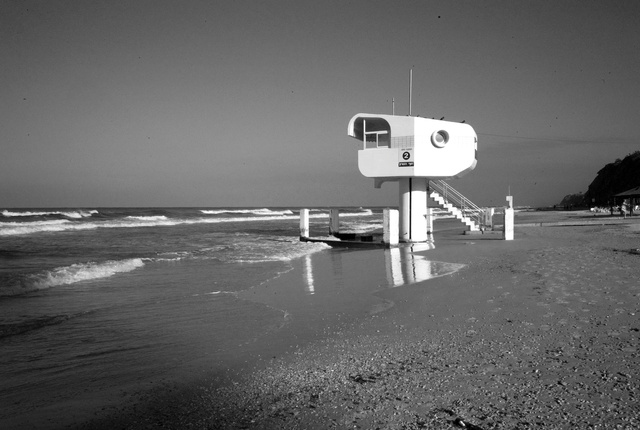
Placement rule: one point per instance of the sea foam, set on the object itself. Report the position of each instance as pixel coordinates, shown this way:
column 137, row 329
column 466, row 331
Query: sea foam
column 68, row 214
column 84, row 272
column 281, row 250
column 264, row 211
column 15, row 228
column 149, row 218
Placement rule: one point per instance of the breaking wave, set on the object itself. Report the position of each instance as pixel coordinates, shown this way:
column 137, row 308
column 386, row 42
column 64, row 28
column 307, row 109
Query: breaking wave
column 69, row 214
column 265, row 211
column 69, row 275
column 15, row 228
column 84, row 272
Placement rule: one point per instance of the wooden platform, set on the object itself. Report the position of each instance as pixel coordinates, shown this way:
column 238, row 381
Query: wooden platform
column 338, row 243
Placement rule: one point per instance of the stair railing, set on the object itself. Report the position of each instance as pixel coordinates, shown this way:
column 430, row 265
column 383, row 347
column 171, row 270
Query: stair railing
column 451, row 195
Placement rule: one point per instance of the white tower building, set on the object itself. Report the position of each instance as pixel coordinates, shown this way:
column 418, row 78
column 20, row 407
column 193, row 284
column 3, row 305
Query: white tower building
column 412, row 150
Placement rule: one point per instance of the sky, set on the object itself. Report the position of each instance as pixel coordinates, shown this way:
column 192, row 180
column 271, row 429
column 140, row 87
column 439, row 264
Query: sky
column 246, row 103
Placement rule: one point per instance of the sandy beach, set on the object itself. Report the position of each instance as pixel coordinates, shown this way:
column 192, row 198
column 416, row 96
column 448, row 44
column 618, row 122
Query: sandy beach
column 539, row 332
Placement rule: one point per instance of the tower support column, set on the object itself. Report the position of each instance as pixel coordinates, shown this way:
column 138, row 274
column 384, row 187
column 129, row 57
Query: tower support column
column 413, row 210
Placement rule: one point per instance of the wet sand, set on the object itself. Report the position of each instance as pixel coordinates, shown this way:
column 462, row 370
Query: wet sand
column 539, row 332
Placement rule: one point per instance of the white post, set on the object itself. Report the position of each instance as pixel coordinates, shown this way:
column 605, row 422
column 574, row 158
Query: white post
column 334, row 221
column 488, row 218
column 304, row 223
column 413, row 209
column 429, row 221
column 390, row 227
column 508, row 220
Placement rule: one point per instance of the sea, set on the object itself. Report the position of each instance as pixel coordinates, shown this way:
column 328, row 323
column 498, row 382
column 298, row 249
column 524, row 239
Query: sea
column 98, row 305
column 98, row 301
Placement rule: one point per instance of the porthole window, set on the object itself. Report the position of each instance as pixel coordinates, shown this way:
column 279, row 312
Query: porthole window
column 440, row 138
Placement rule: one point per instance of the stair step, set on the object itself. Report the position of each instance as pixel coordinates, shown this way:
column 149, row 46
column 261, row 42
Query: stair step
column 455, row 211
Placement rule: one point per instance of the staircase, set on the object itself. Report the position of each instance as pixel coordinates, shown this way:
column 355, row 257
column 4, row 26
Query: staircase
column 456, row 204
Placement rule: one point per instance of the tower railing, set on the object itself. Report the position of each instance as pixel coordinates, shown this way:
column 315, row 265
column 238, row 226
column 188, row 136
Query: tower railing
column 452, row 196
column 402, row 141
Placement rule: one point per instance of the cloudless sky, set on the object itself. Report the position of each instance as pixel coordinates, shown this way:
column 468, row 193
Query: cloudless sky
column 246, row 103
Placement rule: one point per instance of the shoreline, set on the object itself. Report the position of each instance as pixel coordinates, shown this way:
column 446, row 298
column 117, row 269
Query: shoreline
column 539, row 332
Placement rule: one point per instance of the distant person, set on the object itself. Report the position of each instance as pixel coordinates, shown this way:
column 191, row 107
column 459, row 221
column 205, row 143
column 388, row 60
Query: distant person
column 623, row 211
column 611, row 210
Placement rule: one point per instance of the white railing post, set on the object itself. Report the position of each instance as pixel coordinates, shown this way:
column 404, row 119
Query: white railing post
column 429, row 216
column 390, row 227
column 508, row 220
column 304, row 223
column 334, row 221
column 488, row 218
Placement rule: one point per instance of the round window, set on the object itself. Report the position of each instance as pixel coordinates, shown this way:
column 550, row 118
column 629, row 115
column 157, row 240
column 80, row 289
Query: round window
column 439, row 138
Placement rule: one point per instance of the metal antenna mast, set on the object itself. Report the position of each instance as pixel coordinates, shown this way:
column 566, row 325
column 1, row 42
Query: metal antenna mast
column 410, row 88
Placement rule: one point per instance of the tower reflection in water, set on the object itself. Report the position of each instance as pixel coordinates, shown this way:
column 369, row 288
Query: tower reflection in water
column 402, row 267
column 405, row 267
